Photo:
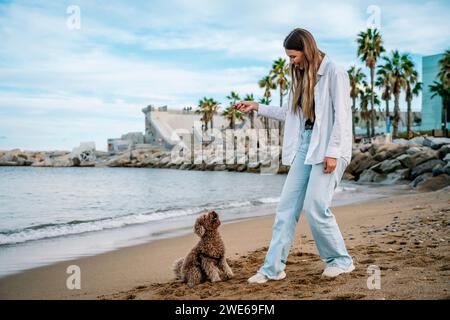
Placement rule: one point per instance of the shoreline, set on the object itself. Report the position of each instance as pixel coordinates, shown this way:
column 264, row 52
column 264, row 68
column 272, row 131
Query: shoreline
column 113, row 275
column 25, row 256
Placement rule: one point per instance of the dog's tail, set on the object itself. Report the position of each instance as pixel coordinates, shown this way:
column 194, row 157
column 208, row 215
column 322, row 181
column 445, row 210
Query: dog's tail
column 176, row 267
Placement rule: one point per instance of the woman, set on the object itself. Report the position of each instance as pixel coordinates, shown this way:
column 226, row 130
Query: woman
column 318, row 146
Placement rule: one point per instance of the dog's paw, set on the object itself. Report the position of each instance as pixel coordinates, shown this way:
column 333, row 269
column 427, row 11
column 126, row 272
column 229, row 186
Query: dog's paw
column 229, row 274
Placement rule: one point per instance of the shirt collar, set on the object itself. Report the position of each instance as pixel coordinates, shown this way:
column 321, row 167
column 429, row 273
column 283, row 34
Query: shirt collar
column 322, row 66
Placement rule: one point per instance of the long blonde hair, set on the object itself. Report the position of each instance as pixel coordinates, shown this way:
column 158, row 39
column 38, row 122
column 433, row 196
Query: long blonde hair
column 303, row 81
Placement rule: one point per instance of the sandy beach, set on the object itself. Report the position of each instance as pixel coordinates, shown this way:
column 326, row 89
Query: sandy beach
column 407, row 237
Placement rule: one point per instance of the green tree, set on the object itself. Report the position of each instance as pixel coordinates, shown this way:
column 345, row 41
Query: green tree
column 370, row 47
column 251, row 114
column 384, row 82
column 356, row 77
column 231, row 113
column 207, row 107
column 279, row 73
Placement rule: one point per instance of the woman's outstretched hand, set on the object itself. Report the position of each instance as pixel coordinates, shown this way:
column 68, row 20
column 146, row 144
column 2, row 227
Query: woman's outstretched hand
column 246, row 106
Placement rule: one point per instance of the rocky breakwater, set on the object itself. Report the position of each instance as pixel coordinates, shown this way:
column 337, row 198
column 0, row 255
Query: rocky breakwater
column 144, row 157
column 17, row 157
column 423, row 162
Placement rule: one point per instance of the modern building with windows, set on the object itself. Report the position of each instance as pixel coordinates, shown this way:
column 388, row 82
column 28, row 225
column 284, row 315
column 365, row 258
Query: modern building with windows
column 432, row 117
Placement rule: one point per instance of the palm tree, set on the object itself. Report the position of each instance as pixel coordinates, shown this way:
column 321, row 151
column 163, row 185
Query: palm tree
column 231, row 113
column 364, row 104
column 267, row 84
column 384, row 82
column 279, row 71
column 369, row 49
column 398, row 66
column 444, row 71
column 249, row 97
column 356, row 77
column 366, row 95
column 266, row 101
column 442, row 87
column 207, row 107
column 412, row 88
column 438, row 89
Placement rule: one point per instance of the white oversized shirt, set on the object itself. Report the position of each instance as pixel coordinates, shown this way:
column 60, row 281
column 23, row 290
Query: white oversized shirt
column 332, row 131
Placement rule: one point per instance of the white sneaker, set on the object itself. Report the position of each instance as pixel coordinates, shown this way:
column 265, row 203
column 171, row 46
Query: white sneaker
column 335, row 271
column 260, row 278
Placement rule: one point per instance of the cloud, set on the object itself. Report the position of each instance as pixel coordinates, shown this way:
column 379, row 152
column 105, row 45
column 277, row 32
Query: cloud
column 170, row 53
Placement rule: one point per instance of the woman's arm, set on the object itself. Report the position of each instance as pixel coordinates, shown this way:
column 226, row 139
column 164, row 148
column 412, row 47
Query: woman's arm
column 274, row 112
column 341, row 104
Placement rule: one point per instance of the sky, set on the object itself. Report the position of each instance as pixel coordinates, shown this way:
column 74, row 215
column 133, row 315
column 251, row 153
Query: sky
column 74, row 71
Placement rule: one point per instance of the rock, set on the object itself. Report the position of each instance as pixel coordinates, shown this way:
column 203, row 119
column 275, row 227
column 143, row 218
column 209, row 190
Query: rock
column 397, row 176
column 400, row 141
column 241, row 168
column 174, row 165
column 418, row 158
column 185, row 166
column 231, row 167
column 283, row 169
column 220, row 167
column 147, row 162
column 388, row 166
column 406, row 160
column 418, row 141
column 369, row 175
column 435, row 143
column 164, row 161
column 447, row 168
column 425, row 167
column 438, row 169
column 446, row 158
column 387, row 151
column 76, row 162
column 13, row 156
column 253, row 165
column 348, row 176
column 444, row 151
column 159, row 154
column 359, row 163
column 57, row 154
column 87, row 164
column 7, row 163
column 421, row 178
column 63, row 161
column 434, row 183
column 119, row 161
column 199, row 166
column 44, row 163
column 414, row 150
column 365, row 147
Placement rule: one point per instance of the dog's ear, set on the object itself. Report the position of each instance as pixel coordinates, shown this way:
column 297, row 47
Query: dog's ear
column 198, row 228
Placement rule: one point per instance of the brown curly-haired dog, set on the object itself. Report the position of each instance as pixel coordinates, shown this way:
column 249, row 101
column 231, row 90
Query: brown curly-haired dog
column 207, row 259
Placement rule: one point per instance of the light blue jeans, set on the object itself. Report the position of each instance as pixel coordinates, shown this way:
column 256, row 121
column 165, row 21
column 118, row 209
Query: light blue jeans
column 307, row 187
